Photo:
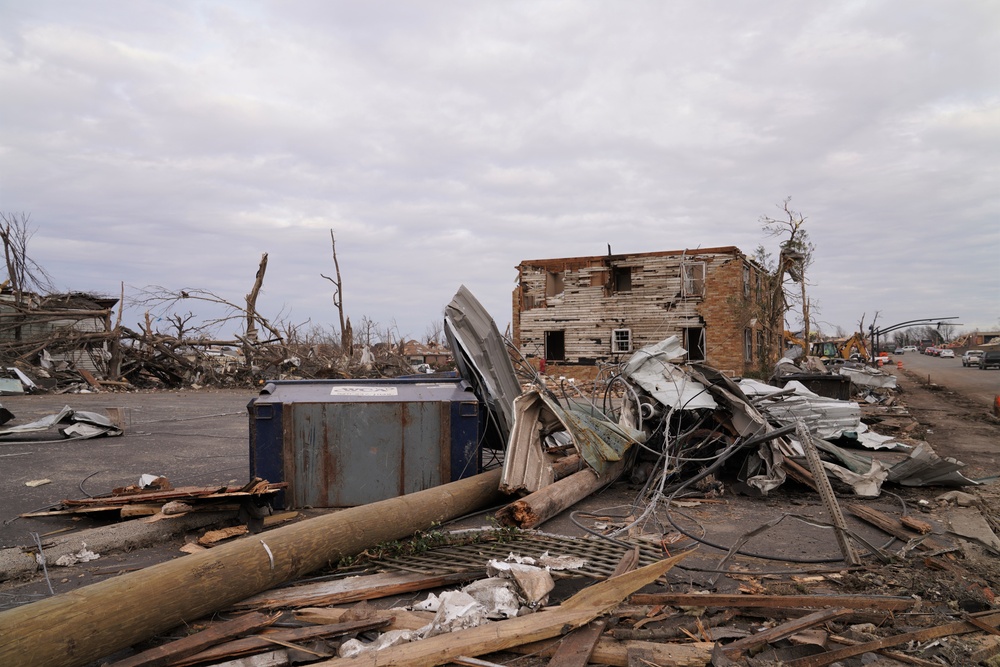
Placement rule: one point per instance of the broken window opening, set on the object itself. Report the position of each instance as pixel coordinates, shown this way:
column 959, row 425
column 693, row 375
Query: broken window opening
column 747, row 345
column 621, row 341
column 746, row 281
column 621, row 277
column 529, row 302
column 694, row 342
column 555, row 345
column 554, row 283
column 694, row 278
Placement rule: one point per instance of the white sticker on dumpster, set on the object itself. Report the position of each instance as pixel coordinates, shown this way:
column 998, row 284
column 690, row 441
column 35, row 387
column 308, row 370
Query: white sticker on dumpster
column 369, row 392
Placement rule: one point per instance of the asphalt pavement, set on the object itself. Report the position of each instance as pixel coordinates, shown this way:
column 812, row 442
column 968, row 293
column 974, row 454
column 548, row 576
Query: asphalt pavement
column 192, row 437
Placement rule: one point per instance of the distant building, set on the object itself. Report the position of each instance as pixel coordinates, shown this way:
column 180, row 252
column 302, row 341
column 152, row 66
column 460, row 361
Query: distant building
column 979, row 338
column 584, row 311
column 72, row 327
column 433, row 354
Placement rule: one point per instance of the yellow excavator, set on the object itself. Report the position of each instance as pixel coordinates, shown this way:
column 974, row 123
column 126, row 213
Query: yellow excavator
column 833, row 349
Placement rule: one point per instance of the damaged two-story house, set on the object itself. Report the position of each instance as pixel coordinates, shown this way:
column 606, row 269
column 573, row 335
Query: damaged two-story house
column 586, row 311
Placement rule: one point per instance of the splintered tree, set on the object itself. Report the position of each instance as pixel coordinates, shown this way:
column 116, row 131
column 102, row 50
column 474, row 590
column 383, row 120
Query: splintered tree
column 346, row 336
column 163, row 299
column 794, row 257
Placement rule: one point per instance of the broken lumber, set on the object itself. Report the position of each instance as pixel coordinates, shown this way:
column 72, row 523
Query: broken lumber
column 399, row 619
column 353, row 589
column 177, row 650
column 575, row 612
column 540, row 506
column 736, row 649
column 946, row 630
column 576, row 648
column 615, row 653
column 88, row 623
column 248, row 645
column 883, row 603
column 891, row 526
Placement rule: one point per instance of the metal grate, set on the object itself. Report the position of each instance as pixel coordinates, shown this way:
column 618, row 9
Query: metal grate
column 601, row 556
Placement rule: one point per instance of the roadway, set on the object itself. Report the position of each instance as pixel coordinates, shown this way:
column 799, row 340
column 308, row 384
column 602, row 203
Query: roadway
column 978, row 385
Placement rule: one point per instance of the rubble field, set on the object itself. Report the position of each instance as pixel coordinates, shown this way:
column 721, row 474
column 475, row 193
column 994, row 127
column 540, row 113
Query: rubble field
column 925, row 596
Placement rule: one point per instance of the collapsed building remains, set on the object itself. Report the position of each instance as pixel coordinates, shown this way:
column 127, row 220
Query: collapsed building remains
column 583, row 311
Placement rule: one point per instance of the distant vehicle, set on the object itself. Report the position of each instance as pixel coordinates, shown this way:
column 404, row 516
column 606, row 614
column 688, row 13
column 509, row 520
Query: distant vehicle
column 910, row 348
column 971, row 357
column 950, row 354
column 990, row 359
column 929, row 351
column 899, row 350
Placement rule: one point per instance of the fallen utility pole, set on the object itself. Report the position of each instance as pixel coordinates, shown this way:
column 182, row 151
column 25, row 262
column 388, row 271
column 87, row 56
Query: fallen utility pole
column 80, row 626
column 538, row 507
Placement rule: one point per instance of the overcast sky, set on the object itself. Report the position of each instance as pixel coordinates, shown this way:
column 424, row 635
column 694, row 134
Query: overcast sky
column 172, row 143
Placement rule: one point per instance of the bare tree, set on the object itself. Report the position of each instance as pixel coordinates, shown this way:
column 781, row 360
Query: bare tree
column 435, row 332
column 164, row 300
column 346, row 335
column 23, row 273
column 178, row 324
column 795, row 255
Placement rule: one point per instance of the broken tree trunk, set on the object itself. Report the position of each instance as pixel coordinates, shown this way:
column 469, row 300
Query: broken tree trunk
column 540, row 506
column 86, row 624
column 251, row 311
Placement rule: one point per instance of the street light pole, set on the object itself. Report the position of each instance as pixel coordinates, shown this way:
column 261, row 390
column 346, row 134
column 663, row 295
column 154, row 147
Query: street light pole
column 876, row 333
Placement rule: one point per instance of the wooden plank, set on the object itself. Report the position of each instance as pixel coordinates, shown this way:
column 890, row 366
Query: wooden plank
column 130, row 511
column 883, row 603
column 576, row 648
column 89, row 377
column 902, row 657
column 615, row 653
column 354, row 589
column 247, row 645
column 926, row 634
column 579, row 610
column 917, row 525
column 891, row 526
column 781, row 631
column 399, row 619
column 170, row 653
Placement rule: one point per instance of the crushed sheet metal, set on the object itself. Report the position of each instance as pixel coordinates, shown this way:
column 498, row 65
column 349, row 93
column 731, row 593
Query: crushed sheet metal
column 481, row 356
column 748, row 422
column 598, row 441
column 865, row 485
column 650, row 368
column 76, row 424
column 867, row 377
column 824, row 417
column 925, row 468
column 525, row 465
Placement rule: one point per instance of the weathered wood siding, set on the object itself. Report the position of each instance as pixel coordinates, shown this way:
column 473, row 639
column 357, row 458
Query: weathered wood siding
column 589, row 309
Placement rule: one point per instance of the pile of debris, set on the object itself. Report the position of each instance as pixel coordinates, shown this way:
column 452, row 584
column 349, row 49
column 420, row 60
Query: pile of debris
column 684, row 435
column 150, row 360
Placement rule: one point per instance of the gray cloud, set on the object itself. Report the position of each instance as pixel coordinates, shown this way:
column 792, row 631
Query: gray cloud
column 174, row 143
